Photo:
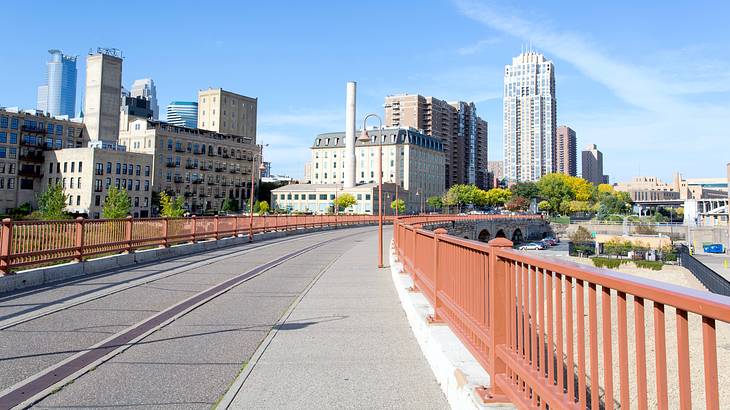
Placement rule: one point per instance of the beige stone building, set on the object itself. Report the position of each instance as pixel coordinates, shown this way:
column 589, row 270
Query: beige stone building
column 86, row 175
column 225, row 112
column 413, row 160
column 24, row 136
column 103, row 94
column 319, row 198
column 647, row 188
column 204, row 167
column 462, row 133
column 566, row 154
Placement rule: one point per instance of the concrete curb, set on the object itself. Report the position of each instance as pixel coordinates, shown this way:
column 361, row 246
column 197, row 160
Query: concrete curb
column 455, row 368
column 44, row 275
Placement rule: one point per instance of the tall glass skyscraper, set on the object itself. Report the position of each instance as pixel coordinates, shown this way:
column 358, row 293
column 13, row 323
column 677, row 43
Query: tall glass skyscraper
column 529, row 118
column 58, row 95
column 183, row 114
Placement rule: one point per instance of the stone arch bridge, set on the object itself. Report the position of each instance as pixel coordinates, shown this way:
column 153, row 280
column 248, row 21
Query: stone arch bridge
column 515, row 229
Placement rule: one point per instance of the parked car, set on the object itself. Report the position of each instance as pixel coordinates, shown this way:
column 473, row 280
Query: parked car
column 532, row 246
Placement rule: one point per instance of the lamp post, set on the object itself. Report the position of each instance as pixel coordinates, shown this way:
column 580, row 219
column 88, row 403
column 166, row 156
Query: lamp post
column 364, row 137
column 250, row 200
column 420, row 199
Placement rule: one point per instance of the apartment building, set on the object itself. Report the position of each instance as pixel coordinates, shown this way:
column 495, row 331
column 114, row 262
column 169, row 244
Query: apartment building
column 592, row 165
column 225, row 112
column 204, row 167
column 319, row 198
column 87, row 173
column 462, row 133
column 566, row 154
column 24, row 136
column 412, row 160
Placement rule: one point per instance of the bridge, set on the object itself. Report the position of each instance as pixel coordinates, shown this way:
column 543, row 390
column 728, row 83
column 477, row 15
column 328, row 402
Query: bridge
column 192, row 313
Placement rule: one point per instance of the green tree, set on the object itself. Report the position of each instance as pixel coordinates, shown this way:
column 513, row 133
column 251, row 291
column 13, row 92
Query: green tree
column 544, row 206
column 435, row 202
column 117, row 204
column 526, row 190
column 555, row 189
column 344, row 201
column 581, row 235
column 52, row 203
column 498, row 196
column 263, row 207
column 171, row 207
column 400, row 205
column 464, row 194
column 517, row 203
column 229, row 205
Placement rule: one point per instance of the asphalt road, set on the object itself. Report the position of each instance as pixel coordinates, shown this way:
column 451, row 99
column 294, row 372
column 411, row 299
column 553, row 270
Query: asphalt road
column 186, row 364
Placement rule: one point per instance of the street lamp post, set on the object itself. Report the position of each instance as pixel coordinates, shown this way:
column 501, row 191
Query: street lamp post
column 364, row 137
column 250, row 200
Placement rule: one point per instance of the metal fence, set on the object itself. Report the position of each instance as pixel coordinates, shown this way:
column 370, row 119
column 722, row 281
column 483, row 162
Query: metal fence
column 28, row 243
column 713, row 281
column 524, row 319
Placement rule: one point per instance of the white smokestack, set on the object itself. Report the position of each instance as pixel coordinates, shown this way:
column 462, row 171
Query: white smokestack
column 350, row 135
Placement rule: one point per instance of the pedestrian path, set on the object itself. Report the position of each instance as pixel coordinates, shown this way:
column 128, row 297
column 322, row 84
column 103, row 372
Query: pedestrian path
column 345, row 344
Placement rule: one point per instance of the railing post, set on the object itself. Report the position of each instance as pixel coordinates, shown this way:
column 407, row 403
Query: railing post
column 165, row 238
column 195, row 228
column 6, row 236
column 499, row 309
column 79, row 241
column 128, row 234
column 436, row 304
column 215, row 227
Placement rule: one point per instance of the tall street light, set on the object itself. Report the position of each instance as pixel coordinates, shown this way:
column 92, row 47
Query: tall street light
column 261, row 167
column 364, row 137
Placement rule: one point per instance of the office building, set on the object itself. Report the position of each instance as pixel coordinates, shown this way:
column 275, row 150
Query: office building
column 413, row 161
column 319, row 198
column 225, row 112
column 103, row 94
column 529, row 118
column 87, row 173
column 566, row 154
column 183, row 114
column 58, row 95
column 267, row 170
column 592, row 165
column 202, row 166
column 462, row 133
column 24, row 136
column 495, row 170
column 145, row 88
column 135, row 107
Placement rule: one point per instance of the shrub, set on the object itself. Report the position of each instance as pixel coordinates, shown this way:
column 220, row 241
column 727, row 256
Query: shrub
column 607, row 263
column 653, row 265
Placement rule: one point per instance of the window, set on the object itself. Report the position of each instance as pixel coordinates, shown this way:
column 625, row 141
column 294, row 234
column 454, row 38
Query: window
column 124, row 169
column 97, row 185
column 97, row 200
column 71, row 182
column 107, row 183
column 11, row 168
column 119, row 168
column 11, row 183
column 139, row 168
column 99, row 168
column 73, row 166
column 136, row 185
column 13, row 153
column 70, row 199
column 59, row 129
column 13, row 138
column 78, row 200
column 14, row 126
column 169, row 144
column 3, row 137
column 146, row 185
column 129, row 184
column 108, row 167
column 3, row 152
column 146, row 202
column 116, row 182
column 323, row 197
column 147, row 170
column 136, row 202
column 312, row 196
column 4, row 121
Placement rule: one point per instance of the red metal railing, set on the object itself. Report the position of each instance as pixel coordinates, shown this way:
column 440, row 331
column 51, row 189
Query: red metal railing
column 523, row 318
column 27, row 243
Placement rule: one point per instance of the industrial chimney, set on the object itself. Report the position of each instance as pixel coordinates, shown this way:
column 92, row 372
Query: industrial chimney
column 350, row 135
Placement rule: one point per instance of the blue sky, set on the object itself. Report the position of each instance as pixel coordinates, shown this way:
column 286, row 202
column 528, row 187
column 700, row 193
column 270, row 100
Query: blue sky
column 649, row 83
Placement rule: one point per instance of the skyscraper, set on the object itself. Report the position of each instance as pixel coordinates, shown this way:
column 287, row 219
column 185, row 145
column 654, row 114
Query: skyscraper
column 183, row 114
column 146, row 88
column 566, row 155
column 58, row 95
column 463, row 134
column 103, row 94
column 592, row 165
column 529, row 117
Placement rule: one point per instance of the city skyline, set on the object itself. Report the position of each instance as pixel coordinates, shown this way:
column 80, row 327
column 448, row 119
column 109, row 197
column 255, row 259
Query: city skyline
column 298, row 82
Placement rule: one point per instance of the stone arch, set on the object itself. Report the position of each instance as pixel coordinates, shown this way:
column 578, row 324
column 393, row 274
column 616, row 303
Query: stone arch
column 500, row 234
column 517, row 236
column 484, row 236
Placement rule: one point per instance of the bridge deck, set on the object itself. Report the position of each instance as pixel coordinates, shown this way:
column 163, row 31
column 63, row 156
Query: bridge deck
column 345, row 344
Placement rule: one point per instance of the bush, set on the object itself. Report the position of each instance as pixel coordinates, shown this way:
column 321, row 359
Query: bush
column 653, row 265
column 607, row 263
column 645, row 230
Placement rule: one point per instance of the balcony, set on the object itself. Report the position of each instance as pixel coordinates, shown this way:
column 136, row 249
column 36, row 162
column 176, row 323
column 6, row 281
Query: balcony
column 233, row 171
column 34, row 130
column 219, row 169
column 177, row 180
column 179, row 149
column 197, row 181
column 190, row 166
column 170, row 164
column 211, row 154
column 224, row 155
column 30, row 172
column 211, row 183
column 31, row 157
column 27, row 143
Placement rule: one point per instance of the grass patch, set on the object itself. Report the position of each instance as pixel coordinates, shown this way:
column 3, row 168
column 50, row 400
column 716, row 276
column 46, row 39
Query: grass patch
column 609, row 263
column 653, row 265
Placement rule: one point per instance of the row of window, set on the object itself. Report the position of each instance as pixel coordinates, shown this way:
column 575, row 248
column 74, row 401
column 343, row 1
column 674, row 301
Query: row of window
column 65, row 167
column 10, row 185
column 135, row 201
column 202, row 149
column 11, row 153
column 312, row 197
column 33, row 125
column 121, row 169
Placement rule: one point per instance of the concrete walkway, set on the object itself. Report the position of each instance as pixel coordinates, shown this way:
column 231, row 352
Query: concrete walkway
column 346, row 344
column 715, row 262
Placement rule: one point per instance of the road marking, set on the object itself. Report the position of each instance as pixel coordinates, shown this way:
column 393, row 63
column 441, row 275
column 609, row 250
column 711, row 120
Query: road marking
column 40, row 385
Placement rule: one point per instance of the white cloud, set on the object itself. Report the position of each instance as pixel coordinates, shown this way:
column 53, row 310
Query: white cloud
column 665, row 129
column 478, row 46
